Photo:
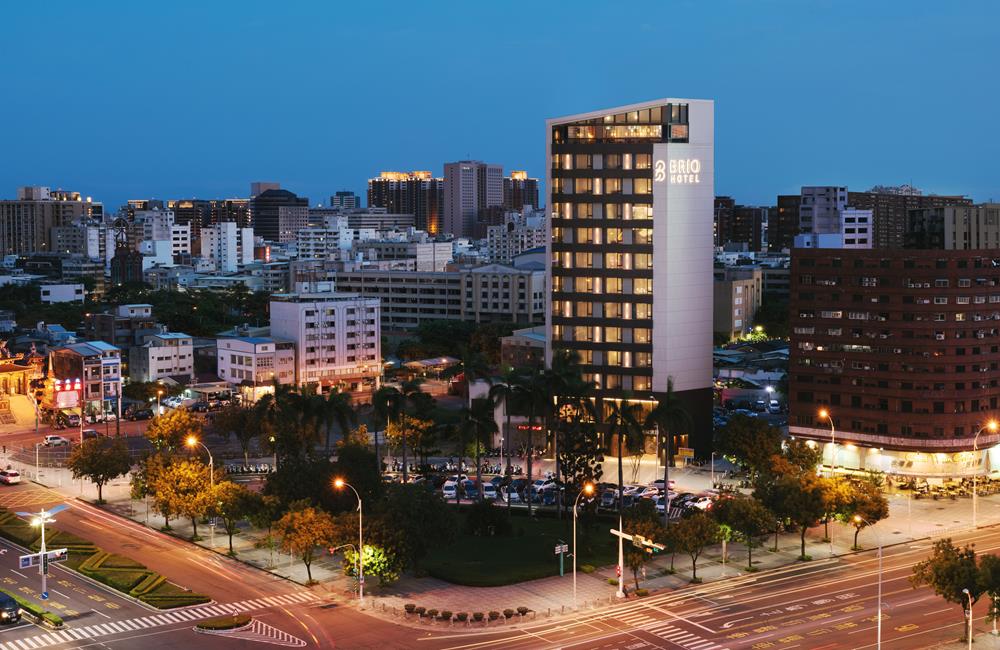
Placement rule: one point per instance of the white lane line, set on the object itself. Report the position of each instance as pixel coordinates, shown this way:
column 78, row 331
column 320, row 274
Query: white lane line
column 20, row 574
column 60, row 593
column 101, row 613
column 142, row 622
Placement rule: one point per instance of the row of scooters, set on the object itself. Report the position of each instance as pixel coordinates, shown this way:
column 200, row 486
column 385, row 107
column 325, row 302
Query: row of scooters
column 250, row 468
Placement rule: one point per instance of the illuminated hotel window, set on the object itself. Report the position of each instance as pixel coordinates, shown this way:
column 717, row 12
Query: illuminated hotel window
column 613, row 161
column 584, row 210
column 643, row 359
column 613, row 334
column 612, row 211
column 612, row 310
column 584, row 309
column 613, row 285
column 642, row 235
column 643, row 261
column 642, row 285
column 586, row 356
column 583, row 260
column 583, row 185
column 643, row 310
column 583, row 333
column 642, row 383
column 642, row 186
column 614, row 236
column 584, row 235
column 613, row 358
column 643, row 161
column 612, row 185
column 642, row 211
column 642, row 335
column 613, row 381
column 582, row 161
column 613, row 260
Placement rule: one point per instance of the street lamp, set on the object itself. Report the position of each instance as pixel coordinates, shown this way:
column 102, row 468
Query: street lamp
column 193, row 442
column 969, row 596
column 878, row 635
column 341, row 483
column 588, row 489
column 825, row 415
column 992, row 427
column 159, row 394
column 713, row 470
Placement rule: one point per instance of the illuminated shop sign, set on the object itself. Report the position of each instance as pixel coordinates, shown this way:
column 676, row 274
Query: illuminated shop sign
column 683, row 171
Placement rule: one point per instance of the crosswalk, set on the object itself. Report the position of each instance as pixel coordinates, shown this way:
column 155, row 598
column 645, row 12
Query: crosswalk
column 74, row 634
column 667, row 631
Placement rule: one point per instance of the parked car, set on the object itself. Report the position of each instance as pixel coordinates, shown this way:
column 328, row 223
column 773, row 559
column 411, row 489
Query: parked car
column 141, row 414
column 56, row 441
column 490, row 491
column 647, row 493
column 774, row 406
column 514, row 496
column 448, row 490
column 10, row 611
column 200, row 407
column 609, row 498
column 470, row 489
column 10, row 476
column 701, row 503
column 658, row 484
column 543, row 484
column 90, row 434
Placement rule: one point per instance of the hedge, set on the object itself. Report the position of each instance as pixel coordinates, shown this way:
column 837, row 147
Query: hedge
column 224, row 622
column 35, row 610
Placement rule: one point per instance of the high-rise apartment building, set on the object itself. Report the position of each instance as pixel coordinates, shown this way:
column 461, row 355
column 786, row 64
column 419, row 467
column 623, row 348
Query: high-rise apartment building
column 26, row 222
column 783, row 223
column 225, row 210
column 228, row 245
column 741, row 224
column 345, row 200
column 900, row 348
column 278, row 214
column 417, row 193
column 519, row 191
column 954, row 227
column 890, row 206
column 470, row 187
column 827, row 221
column 631, row 258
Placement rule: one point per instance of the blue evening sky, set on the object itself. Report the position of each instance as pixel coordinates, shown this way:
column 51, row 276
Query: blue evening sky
column 174, row 99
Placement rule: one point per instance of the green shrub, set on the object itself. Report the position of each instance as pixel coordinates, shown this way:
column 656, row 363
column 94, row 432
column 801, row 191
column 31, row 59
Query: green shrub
column 35, row 610
column 477, row 616
column 118, row 579
column 613, row 582
column 462, row 617
column 483, row 518
column 409, row 608
column 523, row 610
column 494, row 615
column 587, row 568
column 224, row 622
column 642, row 592
column 148, row 584
column 432, row 613
column 508, row 613
column 420, row 611
column 446, row 615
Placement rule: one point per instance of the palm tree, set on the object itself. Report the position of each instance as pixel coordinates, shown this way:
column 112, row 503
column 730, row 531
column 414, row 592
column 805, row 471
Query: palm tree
column 480, row 422
column 623, row 421
column 390, row 405
column 668, row 416
column 337, row 409
column 529, row 390
column 503, row 391
column 564, row 387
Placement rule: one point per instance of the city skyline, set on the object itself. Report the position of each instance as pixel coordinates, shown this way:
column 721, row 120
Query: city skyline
column 155, row 139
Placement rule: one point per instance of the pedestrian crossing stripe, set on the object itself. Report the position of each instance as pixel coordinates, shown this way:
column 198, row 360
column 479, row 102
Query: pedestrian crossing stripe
column 264, row 633
column 683, row 638
column 70, row 634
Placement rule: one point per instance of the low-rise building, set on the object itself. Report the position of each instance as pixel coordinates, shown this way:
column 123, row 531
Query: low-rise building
column 90, row 370
column 524, row 348
column 253, row 363
column 61, row 292
column 162, row 355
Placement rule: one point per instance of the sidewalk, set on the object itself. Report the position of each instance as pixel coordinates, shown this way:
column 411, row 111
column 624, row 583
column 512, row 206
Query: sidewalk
column 910, row 520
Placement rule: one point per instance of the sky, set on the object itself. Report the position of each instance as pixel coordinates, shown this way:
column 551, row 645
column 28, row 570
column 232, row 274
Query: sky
column 195, row 99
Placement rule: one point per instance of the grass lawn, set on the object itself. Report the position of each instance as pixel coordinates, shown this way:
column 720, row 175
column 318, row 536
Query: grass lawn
column 525, row 554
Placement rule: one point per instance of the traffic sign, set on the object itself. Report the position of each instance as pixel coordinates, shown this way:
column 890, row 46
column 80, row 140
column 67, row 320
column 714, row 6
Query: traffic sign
column 685, row 452
column 28, row 561
column 562, row 548
column 45, row 595
column 34, row 559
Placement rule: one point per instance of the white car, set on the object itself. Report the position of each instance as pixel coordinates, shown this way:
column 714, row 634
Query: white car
column 647, row 493
column 701, row 503
column 9, row 477
column 56, row 441
column 489, row 491
column 632, row 490
column 449, row 489
column 658, row 484
column 514, row 496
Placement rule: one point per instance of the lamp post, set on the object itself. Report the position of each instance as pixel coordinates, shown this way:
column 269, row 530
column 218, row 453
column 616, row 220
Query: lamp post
column 825, row 415
column 878, row 625
column 588, row 489
column 194, row 442
column 159, row 394
column 713, row 470
column 991, row 426
column 969, row 597
column 340, row 483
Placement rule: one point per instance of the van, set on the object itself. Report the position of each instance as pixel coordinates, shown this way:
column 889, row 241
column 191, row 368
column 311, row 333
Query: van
column 774, row 406
column 69, row 417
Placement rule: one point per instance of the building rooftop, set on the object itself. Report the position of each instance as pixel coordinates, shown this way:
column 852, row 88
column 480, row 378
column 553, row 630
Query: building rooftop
column 172, row 335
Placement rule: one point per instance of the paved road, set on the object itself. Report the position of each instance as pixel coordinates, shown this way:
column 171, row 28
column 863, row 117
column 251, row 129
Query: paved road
column 822, row 605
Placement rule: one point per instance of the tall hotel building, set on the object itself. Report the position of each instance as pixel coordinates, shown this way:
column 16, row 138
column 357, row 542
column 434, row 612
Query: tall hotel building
column 630, row 253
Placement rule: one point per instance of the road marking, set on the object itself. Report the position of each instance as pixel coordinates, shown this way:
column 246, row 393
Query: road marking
column 101, row 613
column 20, row 574
column 262, row 632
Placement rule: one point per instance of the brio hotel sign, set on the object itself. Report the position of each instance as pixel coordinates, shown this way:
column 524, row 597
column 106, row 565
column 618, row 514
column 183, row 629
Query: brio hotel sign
column 681, row 171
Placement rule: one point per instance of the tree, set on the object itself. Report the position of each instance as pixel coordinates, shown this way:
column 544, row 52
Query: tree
column 772, row 315
column 168, row 431
column 337, row 409
column 302, row 531
column 528, row 391
column 799, row 498
column 865, row 505
column 949, row 572
column 231, row 502
column 692, row 534
column 623, row 423
column 641, row 519
column 377, row 561
column 185, row 485
column 151, row 480
column 580, row 454
column 669, row 417
column 751, row 442
column 390, row 406
column 479, row 421
column 989, row 582
column 262, row 512
column 100, row 460
column 418, row 517
column 242, row 423
column 748, row 518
